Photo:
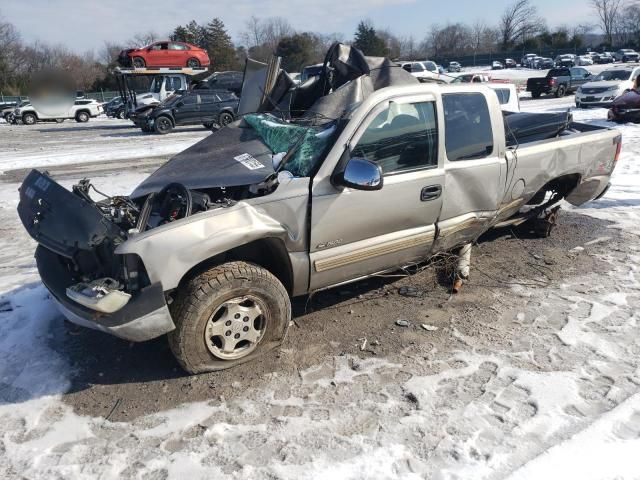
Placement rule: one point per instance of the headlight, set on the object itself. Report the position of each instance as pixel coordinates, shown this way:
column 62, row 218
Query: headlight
column 613, row 89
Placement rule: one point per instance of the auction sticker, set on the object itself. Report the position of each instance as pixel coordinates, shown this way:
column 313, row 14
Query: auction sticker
column 248, row 161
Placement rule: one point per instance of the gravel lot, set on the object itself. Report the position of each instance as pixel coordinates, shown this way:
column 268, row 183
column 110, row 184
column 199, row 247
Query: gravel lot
column 541, row 344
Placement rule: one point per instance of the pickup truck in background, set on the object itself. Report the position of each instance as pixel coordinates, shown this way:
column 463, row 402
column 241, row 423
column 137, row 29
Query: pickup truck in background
column 558, row 82
column 210, row 248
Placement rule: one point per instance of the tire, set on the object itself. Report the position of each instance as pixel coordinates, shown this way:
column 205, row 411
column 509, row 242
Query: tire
column 208, row 125
column 29, row 119
column 120, row 114
column 59, row 120
column 535, row 94
column 146, row 129
column 203, row 312
column 193, row 63
column 163, row 125
column 82, row 117
column 560, row 92
column 225, row 119
column 138, row 62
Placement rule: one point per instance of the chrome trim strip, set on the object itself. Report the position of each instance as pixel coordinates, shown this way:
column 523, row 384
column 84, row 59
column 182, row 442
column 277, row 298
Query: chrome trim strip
column 375, row 251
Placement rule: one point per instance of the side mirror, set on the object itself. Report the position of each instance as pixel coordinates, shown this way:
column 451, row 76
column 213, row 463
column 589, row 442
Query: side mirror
column 360, row 174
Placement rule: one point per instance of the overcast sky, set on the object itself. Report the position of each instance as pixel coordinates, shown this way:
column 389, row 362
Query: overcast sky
column 86, row 24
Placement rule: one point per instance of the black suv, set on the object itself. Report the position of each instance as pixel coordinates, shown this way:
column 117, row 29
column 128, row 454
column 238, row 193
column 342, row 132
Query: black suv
column 206, row 107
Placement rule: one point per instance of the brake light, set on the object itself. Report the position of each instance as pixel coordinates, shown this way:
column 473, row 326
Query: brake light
column 552, row 81
column 618, row 143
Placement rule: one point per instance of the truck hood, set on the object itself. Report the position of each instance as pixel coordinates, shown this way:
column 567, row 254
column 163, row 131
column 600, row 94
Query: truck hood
column 231, row 157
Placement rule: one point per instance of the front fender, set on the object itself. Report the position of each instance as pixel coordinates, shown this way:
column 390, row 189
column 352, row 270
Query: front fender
column 170, row 251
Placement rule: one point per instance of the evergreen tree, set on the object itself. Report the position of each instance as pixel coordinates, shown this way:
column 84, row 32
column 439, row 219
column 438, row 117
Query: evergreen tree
column 296, row 51
column 180, row 34
column 367, row 40
column 196, row 34
column 221, row 50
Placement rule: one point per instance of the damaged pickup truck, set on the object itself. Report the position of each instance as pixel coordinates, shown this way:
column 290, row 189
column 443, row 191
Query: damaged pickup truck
column 356, row 172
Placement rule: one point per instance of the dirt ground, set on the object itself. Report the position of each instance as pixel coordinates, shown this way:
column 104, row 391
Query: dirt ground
column 125, row 380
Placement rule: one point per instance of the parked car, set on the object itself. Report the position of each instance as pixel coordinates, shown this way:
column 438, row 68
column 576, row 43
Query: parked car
column 9, row 108
column 454, row 67
column 81, row 111
column 210, row 248
column 545, row 63
column 198, row 107
column 626, row 55
column 231, row 81
column 165, row 54
column 602, row 58
column 114, row 108
column 423, row 71
column 527, row 60
column 496, row 65
column 604, row 88
column 471, row 78
column 567, row 60
column 584, row 61
column 558, row 82
column 510, row 63
column 625, row 108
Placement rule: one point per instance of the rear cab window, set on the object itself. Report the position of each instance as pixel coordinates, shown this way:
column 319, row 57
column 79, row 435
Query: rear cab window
column 468, row 132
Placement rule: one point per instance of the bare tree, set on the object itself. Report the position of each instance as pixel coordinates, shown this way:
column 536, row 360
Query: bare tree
column 608, row 14
column 519, row 22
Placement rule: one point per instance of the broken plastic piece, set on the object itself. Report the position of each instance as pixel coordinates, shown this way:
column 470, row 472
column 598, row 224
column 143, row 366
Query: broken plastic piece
column 100, row 295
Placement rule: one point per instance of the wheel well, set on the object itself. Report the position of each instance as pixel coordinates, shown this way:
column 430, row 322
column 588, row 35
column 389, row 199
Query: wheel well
column 30, row 113
column 173, row 122
column 84, row 110
column 269, row 253
column 562, row 185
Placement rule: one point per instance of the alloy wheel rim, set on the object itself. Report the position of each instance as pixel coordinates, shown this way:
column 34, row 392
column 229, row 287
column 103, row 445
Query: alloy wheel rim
column 236, row 328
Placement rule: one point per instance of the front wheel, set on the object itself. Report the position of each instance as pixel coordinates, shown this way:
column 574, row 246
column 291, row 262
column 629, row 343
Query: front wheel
column 138, row 62
column 193, row 63
column 163, row 125
column 228, row 315
column 120, row 114
column 29, row 119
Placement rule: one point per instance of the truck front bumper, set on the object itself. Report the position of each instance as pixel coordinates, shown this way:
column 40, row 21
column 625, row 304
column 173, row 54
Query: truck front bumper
column 145, row 317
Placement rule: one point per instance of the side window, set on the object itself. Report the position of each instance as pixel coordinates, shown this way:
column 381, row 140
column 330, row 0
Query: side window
column 177, row 46
column 401, row 137
column 155, row 46
column 417, row 67
column 189, row 100
column 467, row 122
column 407, row 67
column 576, row 72
column 431, row 66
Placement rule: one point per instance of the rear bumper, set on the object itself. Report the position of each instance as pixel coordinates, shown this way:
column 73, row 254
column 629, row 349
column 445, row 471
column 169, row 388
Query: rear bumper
column 145, row 317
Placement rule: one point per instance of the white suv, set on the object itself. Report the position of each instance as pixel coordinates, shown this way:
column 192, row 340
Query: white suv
column 81, row 111
column 423, row 71
column 606, row 86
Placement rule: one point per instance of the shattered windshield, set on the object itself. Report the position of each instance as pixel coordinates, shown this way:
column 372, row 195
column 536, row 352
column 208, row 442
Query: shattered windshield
column 280, row 136
column 614, row 75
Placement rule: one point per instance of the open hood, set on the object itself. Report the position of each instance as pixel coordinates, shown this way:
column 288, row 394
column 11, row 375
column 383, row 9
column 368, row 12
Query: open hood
column 230, row 157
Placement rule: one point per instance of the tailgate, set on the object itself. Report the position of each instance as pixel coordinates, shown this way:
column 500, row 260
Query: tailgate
column 537, row 82
column 60, row 220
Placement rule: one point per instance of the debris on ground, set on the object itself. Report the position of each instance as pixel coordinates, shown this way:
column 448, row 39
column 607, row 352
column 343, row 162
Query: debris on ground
column 429, row 328
column 410, row 291
column 402, row 323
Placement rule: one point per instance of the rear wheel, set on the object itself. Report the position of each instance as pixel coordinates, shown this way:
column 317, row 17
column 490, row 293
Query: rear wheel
column 138, row 62
column 228, row 315
column 82, row 117
column 59, row 120
column 207, row 125
column 164, row 125
column 535, row 94
column 193, row 63
column 29, row 119
column 225, row 119
column 560, row 92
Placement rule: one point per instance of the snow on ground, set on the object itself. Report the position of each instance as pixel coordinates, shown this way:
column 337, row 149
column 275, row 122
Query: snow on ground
column 98, row 140
column 518, row 408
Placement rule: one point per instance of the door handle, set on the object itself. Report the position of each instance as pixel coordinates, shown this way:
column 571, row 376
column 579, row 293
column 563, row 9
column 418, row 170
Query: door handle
column 431, row 192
